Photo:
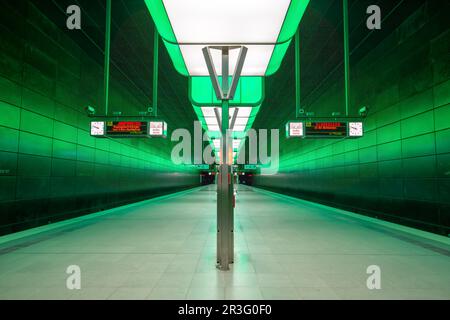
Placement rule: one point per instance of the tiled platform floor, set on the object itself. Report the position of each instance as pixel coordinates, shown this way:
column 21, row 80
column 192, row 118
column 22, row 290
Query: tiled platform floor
column 165, row 249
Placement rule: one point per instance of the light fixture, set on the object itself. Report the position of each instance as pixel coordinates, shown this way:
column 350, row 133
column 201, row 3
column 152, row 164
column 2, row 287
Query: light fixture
column 90, row 110
column 244, row 115
column 265, row 27
column 363, row 111
column 249, row 92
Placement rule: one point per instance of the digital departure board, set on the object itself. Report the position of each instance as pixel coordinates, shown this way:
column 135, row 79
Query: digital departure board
column 325, row 129
column 127, row 128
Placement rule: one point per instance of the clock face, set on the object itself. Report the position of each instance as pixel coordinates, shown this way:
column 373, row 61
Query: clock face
column 97, row 128
column 156, row 128
column 296, row 129
column 355, row 129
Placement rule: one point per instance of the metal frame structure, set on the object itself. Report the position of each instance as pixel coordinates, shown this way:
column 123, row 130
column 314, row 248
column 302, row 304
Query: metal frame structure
column 346, row 72
column 178, row 32
column 107, row 55
column 225, row 189
column 106, row 75
column 155, row 72
column 346, row 64
column 297, row 73
column 346, row 58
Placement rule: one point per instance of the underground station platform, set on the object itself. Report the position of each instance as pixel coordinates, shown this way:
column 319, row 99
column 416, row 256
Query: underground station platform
column 208, row 151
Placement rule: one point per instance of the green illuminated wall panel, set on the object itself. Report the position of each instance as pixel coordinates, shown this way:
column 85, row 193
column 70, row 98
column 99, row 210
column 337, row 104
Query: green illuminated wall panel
column 399, row 170
column 9, row 139
column 441, row 116
column 443, row 141
column 34, row 166
column 50, row 166
column 10, row 115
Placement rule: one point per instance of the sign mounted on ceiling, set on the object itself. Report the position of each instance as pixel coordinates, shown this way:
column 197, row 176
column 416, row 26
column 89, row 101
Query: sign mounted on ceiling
column 128, row 129
column 324, row 129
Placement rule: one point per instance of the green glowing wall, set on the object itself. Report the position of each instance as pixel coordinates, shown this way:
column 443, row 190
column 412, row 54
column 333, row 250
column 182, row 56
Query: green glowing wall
column 50, row 167
column 400, row 170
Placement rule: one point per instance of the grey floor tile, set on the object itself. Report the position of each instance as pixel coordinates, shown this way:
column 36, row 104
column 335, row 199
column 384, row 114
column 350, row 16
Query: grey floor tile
column 168, row 293
column 284, row 249
column 206, row 293
column 280, row 293
column 130, row 294
column 243, row 293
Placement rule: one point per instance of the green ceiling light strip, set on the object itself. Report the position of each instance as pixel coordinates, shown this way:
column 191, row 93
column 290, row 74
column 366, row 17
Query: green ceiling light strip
column 292, row 20
column 249, row 92
column 255, row 111
column 277, row 57
column 290, row 25
column 252, row 90
column 159, row 15
column 177, row 58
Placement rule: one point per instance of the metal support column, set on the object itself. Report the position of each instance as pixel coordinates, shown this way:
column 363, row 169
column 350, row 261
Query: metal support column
column 297, row 73
column 346, row 58
column 155, row 72
column 225, row 190
column 107, row 54
column 224, row 197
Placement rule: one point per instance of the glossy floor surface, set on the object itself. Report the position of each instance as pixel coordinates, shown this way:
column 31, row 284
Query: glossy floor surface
column 165, row 249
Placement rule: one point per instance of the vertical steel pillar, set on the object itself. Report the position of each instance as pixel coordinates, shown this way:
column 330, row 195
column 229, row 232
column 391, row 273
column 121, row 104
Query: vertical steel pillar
column 155, row 72
column 107, row 54
column 225, row 186
column 225, row 190
column 297, row 73
column 346, row 58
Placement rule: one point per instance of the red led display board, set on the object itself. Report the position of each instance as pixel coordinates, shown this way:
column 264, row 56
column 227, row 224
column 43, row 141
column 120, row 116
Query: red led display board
column 127, row 128
column 325, row 129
